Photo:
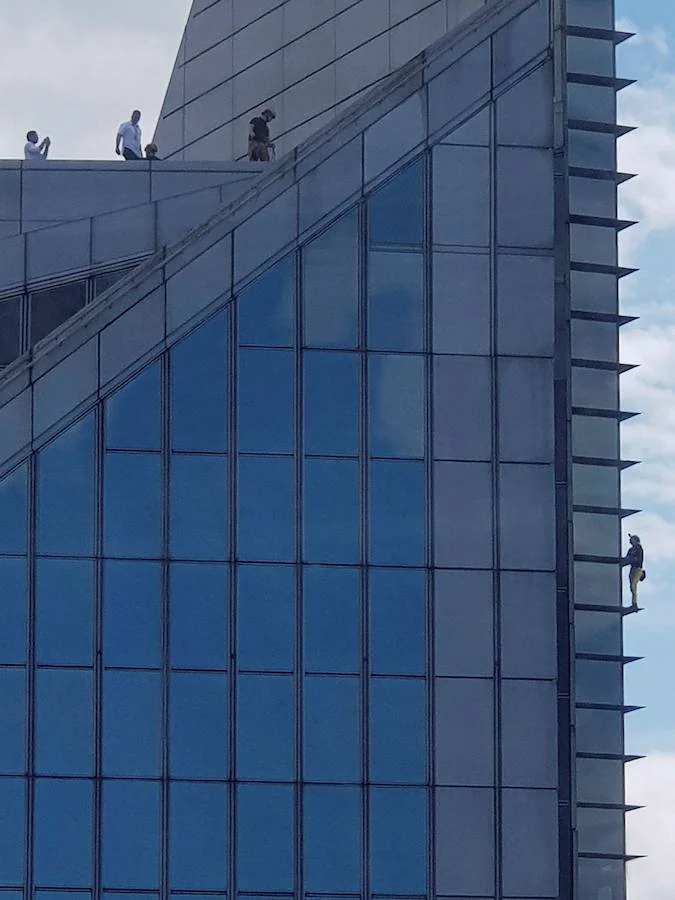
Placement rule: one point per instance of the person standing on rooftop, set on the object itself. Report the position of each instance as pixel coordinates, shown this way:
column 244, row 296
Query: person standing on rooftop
column 129, row 134
column 259, row 143
column 36, row 151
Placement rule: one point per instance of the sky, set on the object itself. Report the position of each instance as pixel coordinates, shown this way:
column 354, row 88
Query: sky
column 75, row 69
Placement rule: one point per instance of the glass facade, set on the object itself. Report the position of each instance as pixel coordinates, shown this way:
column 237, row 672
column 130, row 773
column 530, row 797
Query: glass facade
column 291, row 605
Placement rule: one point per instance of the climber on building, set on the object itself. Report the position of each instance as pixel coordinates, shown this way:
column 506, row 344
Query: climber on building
column 259, row 144
column 635, row 559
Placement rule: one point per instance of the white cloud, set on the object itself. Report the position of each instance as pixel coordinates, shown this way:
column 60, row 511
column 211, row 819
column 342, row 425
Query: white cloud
column 654, row 38
column 651, row 831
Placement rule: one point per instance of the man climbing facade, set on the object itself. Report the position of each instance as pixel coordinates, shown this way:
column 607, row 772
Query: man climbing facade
column 637, row 573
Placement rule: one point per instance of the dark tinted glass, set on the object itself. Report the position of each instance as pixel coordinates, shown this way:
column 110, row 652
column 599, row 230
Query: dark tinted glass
column 63, row 833
column 266, row 508
column 398, row 731
column 266, row 309
column 331, row 508
column 398, row 840
column 332, row 609
column 396, row 301
column 133, row 415
column 65, row 516
column 599, row 731
column 266, row 618
column 13, row 509
column 51, row 308
column 198, row 836
column 398, row 611
column 265, row 727
column 396, row 513
column 13, row 611
column 601, row 830
column 13, row 721
column 332, row 838
column 104, row 282
column 199, row 507
column 332, row 730
column 131, row 834
column 65, row 611
column 199, row 616
column 597, row 632
column 265, row 408
column 198, row 725
column 199, row 388
column 131, row 505
column 131, row 614
column 600, row 780
column 265, row 837
column 331, row 389
column 64, row 727
column 10, row 330
column 396, row 210
column 131, row 723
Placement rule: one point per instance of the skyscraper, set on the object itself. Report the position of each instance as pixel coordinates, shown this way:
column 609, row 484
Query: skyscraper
column 310, row 472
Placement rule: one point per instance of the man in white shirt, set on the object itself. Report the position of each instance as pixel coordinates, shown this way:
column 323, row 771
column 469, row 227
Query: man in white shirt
column 129, row 134
column 34, row 151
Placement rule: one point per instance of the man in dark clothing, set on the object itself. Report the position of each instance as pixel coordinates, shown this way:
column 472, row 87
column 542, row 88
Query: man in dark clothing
column 259, row 136
column 635, row 559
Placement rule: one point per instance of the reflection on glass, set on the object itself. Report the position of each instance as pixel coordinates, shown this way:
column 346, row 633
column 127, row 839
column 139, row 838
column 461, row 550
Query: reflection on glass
column 601, row 830
column 396, row 301
column 131, row 505
column 396, row 395
column 199, row 507
column 599, row 681
column 398, row 612
column 64, row 611
column 597, row 632
column 600, row 780
column 51, row 307
column 332, row 627
column 266, row 618
column 266, row 381
column 331, row 393
column 133, row 414
column 266, row 309
column 131, row 614
column 599, row 731
column 397, row 513
column 331, row 509
column 396, row 210
column 461, row 179
column 266, row 508
column 199, row 616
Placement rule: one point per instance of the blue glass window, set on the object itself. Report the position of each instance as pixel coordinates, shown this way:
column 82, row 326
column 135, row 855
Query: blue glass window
column 266, row 618
column 331, row 285
column 199, row 377
column 198, row 726
column 131, row 834
column 398, row 840
column 13, row 507
column 266, row 309
column 396, row 401
column 132, row 505
column 13, row 610
column 265, row 727
column 65, row 516
column 461, row 178
column 199, row 616
column 13, row 721
column 332, row 729
column 398, row 731
column 133, row 414
column 331, row 382
column 398, row 615
column 199, row 508
column 12, row 825
column 265, row 407
column 396, row 301
column 265, row 837
column 266, row 527
column 198, row 836
column 131, row 723
column 331, row 508
column 131, row 614
column 332, row 839
column 64, row 730
column 397, row 513
column 63, row 833
column 64, row 611
column 332, row 609
column 396, row 210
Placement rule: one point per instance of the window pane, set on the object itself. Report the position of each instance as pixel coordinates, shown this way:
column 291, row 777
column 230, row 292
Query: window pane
column 592, row 150
column 597, row 584
column 601, row 830
column 199, row 507
column 596, row 534
column 529, row 707
column 528, row 625
column 131, row 614
column 13, row 721
column 461, row 179
column 601, row 878
column 131, row 834
column 104, row 282
column 396, row 399
column 598, row 632
column 332, row 839
column 331, row 508
column 265, row 837
column 525, row 392
column 599, row 731
column 398, row 840
column 465, row 841
column 594, row 291
column 51, row 308
column 461, row 303
column 397, row 513
column 266, row 618
column 266, row 528
column 398, row 613
column 64, row 611
column 527, row 530
column 525, row 304
column 331, row 389
column 12, row 824
column 133, row 415
column 596, row 486
column 332, row 628
column 396, row 210
column 13, row 610
column 331, row 285
column 199, row 616
column 265, row 727
column 266, row 309
column 65, row 516
column 524, row 205
column 198, row 837
column 599, row 681
column 398, row 731
column 462, row 407
column 63, row 833
column 332, row 729
column 592, row 244
column 463, row 515
column 199, row 379
column 600, row 780
column 464, row 737
column 64, row 728
column 530, row 843
column 464, row 630
column 595, row 437
column 266, row 393
column 10, row 330
column 198, row 725
column 132, row 715
column 396, row 301
column 132, row 505
column 595, row 388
